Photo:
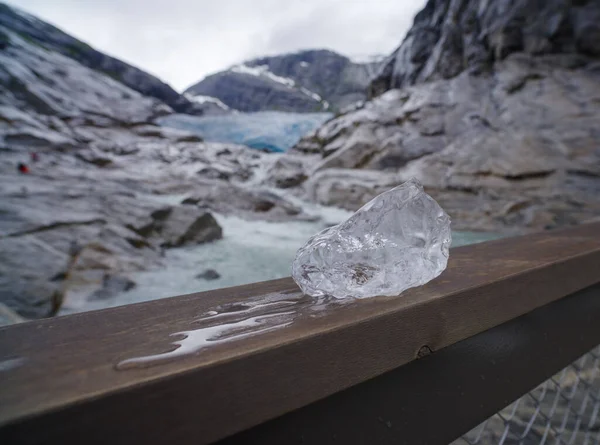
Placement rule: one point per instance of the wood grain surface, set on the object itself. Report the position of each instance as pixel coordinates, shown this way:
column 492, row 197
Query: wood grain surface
column 59, row 383
column 440, row 397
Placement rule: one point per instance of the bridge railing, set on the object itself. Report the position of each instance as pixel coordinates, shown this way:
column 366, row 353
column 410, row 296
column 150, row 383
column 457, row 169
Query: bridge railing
column 565, row 409
column 426, row 367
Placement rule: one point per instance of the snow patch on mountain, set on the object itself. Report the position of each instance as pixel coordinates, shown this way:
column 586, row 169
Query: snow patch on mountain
column 310, row 94
column 200, row 99
column 263, row 70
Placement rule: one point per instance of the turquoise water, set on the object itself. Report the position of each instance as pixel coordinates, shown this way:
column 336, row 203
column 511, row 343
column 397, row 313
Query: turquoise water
column 266, row 130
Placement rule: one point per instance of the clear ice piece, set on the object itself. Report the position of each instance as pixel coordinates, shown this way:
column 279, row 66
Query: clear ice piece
column 398, row 240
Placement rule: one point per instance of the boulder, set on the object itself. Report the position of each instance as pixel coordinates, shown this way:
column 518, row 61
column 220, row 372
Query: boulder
column 95, row 158
column 209, row 274
column 287, row 172
column 251, row 203
column 29, row 269
column 182, row 225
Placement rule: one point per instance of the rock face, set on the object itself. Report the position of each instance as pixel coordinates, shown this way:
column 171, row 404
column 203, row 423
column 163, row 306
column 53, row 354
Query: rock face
column 306, row 81
column 49, row 38
column 449, row 37
column 493, row 106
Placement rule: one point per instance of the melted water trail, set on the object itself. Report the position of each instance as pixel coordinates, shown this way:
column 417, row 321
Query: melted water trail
column 11, row 363
column 198, row 339
column 228, row 323
column 246, row 308
column 235, row 321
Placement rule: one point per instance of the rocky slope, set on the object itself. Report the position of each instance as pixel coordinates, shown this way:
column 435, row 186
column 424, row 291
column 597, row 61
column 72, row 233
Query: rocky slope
column 46, row 36
column 494, row 106
column 107, row 191
column 306, row 81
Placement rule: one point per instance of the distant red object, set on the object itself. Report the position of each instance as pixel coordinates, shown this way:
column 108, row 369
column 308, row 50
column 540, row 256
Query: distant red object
column 23, row 168
column 35, row 157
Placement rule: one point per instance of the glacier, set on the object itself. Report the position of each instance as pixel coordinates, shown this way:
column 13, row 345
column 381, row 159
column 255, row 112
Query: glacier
column 264, row 130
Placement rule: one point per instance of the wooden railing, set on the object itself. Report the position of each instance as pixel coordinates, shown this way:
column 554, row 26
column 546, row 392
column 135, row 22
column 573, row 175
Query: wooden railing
column 424, row 367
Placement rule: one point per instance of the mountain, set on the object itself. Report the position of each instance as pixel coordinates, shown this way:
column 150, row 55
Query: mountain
column 91, row 189
column 306, row 81
column 494, row 106
column 46, row 36
column 448, row 38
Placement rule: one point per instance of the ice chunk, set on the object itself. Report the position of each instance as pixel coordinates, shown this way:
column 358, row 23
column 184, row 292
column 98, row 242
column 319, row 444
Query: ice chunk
column 398, row 240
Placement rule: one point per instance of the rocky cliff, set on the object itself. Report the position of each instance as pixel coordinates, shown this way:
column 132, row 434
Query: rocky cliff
column 451, row 36
column 493, row 105
column 90, row 188
column 46, row 36
column 306, row 81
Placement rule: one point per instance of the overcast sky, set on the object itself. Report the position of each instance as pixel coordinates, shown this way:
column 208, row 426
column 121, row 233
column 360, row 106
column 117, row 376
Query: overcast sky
column 182, row 41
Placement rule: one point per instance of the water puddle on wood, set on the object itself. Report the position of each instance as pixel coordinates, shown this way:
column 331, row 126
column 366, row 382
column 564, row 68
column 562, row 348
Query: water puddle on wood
column 11, row 363
column 236, row 321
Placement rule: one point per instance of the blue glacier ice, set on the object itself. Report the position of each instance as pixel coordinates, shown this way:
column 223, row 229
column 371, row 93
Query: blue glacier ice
column 266, row 130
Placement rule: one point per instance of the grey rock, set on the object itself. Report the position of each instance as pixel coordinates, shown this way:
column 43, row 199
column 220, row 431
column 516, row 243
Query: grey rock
column 154, row 131
column 525, row 130
column 400, row 239
column 94, row 158
column 35, row 80
column 347, row 188
column 184, row 225
column 250, row 203
column 286, row 172
column 27, row 266
column 113, row 285
column 213, row 172
column 449, row 37
column 209, row 274
column 92, row 274
column 38, row 140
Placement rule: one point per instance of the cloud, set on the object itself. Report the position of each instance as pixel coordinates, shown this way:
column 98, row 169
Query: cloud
column 182, row 41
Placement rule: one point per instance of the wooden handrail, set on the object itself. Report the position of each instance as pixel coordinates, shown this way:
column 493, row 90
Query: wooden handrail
column 439, row 398
column 63, row 386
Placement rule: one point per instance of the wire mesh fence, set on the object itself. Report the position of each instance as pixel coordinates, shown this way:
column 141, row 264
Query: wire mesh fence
column 564, row 410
